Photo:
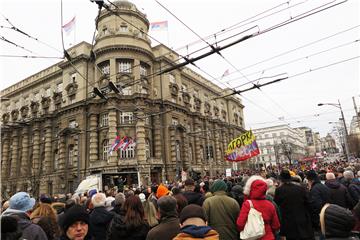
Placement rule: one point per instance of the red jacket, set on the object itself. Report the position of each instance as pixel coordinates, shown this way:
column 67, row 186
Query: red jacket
column 267, row 209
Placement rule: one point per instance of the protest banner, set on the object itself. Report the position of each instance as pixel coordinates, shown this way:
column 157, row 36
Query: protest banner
column 242, row 148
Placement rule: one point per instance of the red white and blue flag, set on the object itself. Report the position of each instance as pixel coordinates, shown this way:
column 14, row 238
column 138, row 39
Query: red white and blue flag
column 157, row 26
column 68, row 27
column 115, row 145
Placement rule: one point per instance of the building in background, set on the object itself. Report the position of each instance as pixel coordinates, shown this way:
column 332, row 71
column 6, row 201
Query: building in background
column 328, row 145
column 280, row 144
column 56, row 130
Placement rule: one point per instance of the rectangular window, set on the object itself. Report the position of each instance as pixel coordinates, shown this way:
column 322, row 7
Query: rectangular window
column 274, row 135
column 126, row 117
column 143, row 70
column 73, row 78
column 105, row 69
column 129, row 152
column 174, row 121
column 266, row 135
column 123, row 28
column 104, row 120
column 127, row 91
column 125, row 67
column 172, row 78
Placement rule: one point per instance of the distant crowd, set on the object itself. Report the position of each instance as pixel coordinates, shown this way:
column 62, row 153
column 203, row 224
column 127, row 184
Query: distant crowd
column 296, row 203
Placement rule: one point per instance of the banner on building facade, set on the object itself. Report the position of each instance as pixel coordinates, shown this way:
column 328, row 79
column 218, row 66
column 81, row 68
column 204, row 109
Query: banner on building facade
column 242, row 148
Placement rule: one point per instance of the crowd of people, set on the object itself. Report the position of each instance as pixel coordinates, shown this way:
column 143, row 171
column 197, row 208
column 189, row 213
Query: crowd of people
column 295, row 204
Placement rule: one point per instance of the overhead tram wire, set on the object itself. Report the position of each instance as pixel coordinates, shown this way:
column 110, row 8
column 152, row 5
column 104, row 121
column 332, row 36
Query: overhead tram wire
column 25, row 56
column 295, row 60
column 26, row 34
column 297, row 74
column 16, row 45
column 294, row 19
column 297, row 48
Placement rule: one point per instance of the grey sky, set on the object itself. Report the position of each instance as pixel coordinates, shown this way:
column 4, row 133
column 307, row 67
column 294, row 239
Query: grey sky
column 294, row 99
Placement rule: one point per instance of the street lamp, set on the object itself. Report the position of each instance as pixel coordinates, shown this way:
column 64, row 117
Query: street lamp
column 338, row 105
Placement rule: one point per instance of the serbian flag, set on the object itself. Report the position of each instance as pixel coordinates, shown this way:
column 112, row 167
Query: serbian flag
column 124, row 143
column 68, row 27
column 115, row 145
column 227, row 72
column 130, row 141
column 157, row 26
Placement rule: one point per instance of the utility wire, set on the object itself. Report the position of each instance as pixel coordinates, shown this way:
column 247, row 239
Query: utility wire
column 297, row 48
column 295, row 60
column 26, row 34
column 24, row 56
column 16, row 45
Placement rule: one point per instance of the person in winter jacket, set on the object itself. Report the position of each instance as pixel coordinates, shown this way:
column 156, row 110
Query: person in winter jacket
column 75, row 224
column 132, row 225
column 237, row 194
column 222, row 211
column 338, row 193
column 336, row 222
column 20, row 206
column 255, row 191
column 45, row 216
column 169, row 225
column 191, row 196
column 100, row 218
column 354, row 189
column 319, row 194
column 295, row 209
column 193, row 222
column 10, row 229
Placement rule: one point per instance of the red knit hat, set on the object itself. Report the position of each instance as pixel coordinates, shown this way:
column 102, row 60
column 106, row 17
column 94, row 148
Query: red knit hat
column 162, row 191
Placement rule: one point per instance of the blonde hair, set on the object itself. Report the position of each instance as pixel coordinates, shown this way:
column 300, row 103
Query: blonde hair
column 44, row 210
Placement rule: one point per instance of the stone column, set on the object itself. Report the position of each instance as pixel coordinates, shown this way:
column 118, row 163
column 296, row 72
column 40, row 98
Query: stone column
column 62, row 152
column 113, row 70
column 36, row 150
column 112, row 159
column 5, row 156
column 157, row 138
column 218, row 157
column 93, row 141
column 172, row 145
column 185, row 150
column 14, row 153
column 140, row 149
column 47, row 160
column 25, row 153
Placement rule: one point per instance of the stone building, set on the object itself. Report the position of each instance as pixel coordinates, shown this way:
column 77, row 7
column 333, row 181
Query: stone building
column 56, row 130
column 280, row 143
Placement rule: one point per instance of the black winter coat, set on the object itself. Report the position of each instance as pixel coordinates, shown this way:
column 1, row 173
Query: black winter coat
column 194, row 197
column 319, row 195
column 339, row 194
column 295, row 208
column 354, row 189
column 100, row 220
column 118, row 230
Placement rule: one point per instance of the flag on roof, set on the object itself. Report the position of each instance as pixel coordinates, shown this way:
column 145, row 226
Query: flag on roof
column 68, row 27
column 159, row 25
column 225, row 73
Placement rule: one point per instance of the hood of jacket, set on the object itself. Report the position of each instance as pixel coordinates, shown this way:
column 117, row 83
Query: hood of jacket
column 249, row 182
column 258, row 189
column 196, row 231
column 22, row 217
column 332, row 183
column 336, row 221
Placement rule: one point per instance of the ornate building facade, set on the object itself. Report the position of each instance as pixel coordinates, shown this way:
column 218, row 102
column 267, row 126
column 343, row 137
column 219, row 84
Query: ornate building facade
column 56, row 131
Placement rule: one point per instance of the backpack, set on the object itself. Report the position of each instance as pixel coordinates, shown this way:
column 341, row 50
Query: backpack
column 254, row 227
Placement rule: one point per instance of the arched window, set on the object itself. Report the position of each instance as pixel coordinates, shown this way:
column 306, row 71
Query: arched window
column 129, row 152
column 105, row 149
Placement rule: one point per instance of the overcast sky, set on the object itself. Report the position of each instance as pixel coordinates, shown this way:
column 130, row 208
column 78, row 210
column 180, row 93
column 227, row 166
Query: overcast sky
column 323, row 68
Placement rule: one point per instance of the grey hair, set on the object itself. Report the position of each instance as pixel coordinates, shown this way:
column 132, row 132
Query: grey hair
column 348, row 174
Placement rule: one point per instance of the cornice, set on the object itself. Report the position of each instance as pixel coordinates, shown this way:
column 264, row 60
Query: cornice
column 109, row 49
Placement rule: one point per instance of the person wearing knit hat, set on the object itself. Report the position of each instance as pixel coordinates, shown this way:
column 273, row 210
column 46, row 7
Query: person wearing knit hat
column 75, row 224
column 222, row 211
column 193, row 222
column 162, row 190
column 336, row 222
